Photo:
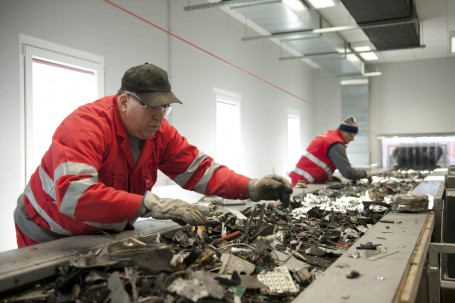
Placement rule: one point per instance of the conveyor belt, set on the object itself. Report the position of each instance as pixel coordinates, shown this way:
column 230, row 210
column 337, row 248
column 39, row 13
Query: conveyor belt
column 24, row 266
column 388, row 279
column 380, row 280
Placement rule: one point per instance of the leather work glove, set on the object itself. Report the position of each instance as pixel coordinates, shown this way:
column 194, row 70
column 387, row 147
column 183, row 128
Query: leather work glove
column 270, row 187
column 335, row 179
column 175, row 209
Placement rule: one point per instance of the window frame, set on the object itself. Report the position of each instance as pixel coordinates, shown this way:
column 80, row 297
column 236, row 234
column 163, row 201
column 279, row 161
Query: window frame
column 293, row 114
column 227, row 97
column 33, row 48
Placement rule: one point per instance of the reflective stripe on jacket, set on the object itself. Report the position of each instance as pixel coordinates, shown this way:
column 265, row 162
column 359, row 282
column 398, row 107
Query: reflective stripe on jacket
column 88, row 180
column 315, row 165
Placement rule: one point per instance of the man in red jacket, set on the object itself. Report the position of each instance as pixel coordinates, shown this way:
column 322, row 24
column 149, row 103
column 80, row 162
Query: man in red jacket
column 98, row 172
column 326, row 153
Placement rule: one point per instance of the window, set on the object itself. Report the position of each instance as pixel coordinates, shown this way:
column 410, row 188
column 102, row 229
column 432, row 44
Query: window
column 295, row 149
column 228, row 138
column 56, row 81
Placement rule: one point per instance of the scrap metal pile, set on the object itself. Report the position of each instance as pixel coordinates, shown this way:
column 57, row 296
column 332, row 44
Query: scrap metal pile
column 258, row 253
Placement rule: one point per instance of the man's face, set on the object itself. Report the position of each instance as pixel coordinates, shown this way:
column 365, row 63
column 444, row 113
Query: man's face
column 347, row 137
column 141, row 121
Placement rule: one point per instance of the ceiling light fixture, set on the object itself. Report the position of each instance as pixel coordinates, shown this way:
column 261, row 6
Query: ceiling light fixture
column 369, row 56
column 354, row 81
column 372, row 74
column 366, row 53
column 352, row 58
column 334, row 29
column 318, row 4
column 295, row 5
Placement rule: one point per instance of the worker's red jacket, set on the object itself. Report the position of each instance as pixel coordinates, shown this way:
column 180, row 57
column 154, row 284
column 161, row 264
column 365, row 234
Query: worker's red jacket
column 87, row 180
column 315, row 165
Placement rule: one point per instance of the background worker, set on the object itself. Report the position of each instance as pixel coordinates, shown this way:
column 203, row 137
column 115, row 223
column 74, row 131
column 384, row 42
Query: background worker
column 103, row 160
column 326, row 153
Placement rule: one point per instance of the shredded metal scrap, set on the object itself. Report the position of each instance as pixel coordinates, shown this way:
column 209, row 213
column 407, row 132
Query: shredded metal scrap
column 263, row 253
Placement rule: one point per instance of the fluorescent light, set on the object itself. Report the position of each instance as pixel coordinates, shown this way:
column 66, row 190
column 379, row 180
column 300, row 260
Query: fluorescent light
column 333, row 29
column 452, row 44
column 372, row 74
column 354, row 81
column 295, row 5
column 364, row 52
column 318, row 4
column 342, row 50
column 362, row 48
column 352, row 58
column 370, row 56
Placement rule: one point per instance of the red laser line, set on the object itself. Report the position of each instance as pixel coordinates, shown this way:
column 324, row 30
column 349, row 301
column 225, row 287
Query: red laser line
column 224, row 60
column 217, row 57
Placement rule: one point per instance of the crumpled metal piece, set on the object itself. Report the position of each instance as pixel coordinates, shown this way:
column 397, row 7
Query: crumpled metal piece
column 368, row 246
column 232, row 263
column 117, row 291
column 411, row 203
column 200, row 285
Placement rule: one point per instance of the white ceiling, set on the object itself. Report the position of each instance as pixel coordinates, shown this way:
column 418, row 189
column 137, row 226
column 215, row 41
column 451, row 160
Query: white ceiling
column 437, row 19
column 272, row 19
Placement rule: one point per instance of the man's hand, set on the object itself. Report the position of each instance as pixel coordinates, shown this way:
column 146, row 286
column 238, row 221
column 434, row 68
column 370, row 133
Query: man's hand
column 175, row 209
column 271, row 187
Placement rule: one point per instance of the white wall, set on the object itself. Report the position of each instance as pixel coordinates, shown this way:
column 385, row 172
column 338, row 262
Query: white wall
column 263, row 106
column 412, row 97
column 100, row 28
column 327, row 114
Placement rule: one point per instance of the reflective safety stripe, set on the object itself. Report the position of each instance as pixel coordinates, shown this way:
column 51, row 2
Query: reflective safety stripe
column 183, row 178
column 52, row 224
column 30, row 228
column 72, row 195
column 304, row 174
column 76, row 188
column 319, row 163
column 47, row 183
column 65, row 169
column 201, row 186
column 74, row 168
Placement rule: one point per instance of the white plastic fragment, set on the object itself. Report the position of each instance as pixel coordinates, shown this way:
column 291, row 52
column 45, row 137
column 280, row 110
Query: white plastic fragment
column 278, row 281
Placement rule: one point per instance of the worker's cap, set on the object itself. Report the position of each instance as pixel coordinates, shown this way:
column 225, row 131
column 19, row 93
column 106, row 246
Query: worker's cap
column 150, row 83
column 349, row 125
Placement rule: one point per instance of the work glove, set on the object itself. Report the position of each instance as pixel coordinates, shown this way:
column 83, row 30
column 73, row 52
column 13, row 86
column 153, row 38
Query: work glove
column 335, row 179
column 270, row 187
column 369, row 176
column 175, row 209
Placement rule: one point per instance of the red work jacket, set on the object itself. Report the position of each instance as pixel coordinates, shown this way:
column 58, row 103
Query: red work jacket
column 315, row 165
column 88, row 181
